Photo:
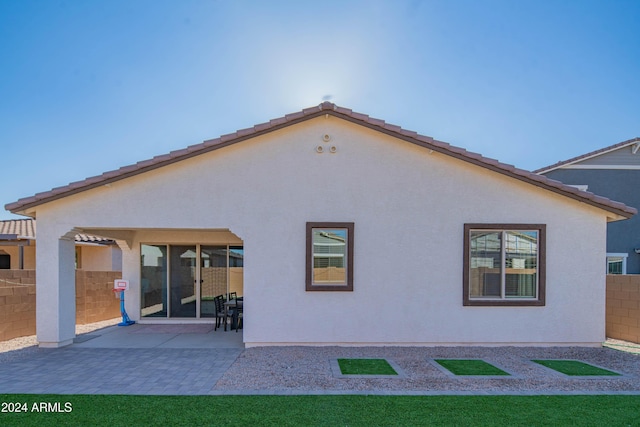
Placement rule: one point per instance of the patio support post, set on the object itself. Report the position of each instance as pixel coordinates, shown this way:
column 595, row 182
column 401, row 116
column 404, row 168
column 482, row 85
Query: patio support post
column 55, row 290
column 131, row 272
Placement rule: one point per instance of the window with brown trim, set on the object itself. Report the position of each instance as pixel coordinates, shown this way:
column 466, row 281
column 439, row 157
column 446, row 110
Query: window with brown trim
column 504, row 265
column 329, row 256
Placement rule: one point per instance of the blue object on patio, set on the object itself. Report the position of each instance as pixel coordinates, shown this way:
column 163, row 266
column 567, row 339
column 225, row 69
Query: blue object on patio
column 125, row 317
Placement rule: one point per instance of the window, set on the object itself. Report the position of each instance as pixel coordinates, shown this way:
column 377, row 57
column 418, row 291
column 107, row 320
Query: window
column 5, row 260
column 504, row 264
column 329, row 256
column 78, row 258
column 617, row 263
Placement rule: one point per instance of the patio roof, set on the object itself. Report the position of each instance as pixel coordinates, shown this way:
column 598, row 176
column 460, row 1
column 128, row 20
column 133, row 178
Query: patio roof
column 25, row 205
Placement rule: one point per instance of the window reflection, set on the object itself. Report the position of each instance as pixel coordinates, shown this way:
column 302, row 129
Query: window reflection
column 153, row 260
column 503, row 264
column 329, row 256
column 485, row 264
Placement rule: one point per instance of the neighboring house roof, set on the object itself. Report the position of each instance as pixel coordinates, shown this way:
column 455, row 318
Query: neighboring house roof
column 634, row 145
column 25, row 229
column 24, row 205
column 18, row 229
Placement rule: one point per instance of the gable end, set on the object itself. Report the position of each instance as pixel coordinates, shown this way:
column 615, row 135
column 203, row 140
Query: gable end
column 25, row 205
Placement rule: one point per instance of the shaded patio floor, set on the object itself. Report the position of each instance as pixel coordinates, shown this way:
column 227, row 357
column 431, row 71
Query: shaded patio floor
column 185, row 336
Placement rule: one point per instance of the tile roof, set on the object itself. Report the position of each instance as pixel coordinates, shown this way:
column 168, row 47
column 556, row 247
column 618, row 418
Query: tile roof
column 587, row 155
column 326, row 108
column 18, row 229
column 87, row 238
column 25, row 229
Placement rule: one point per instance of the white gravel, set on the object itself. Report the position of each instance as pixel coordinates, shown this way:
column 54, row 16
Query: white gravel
column 284, row 370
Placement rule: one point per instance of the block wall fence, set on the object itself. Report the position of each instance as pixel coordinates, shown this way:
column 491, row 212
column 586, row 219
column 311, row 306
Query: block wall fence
column 94, row 300
column 623, row 307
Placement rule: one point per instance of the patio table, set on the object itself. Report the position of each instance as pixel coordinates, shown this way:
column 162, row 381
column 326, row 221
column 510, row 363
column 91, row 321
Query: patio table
column 231, row 304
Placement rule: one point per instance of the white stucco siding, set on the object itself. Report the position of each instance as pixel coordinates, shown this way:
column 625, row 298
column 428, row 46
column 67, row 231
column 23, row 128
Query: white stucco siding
column 409, row 207
column 55, row 284
column 100, row 258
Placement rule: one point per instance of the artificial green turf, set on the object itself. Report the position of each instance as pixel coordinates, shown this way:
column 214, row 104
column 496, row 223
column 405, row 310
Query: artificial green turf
column 328, row 410
column 470, row 367
column 574, row 367
column 365, row 367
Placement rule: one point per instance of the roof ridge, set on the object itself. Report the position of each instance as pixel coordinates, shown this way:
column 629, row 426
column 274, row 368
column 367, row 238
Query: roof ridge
column 306, row 114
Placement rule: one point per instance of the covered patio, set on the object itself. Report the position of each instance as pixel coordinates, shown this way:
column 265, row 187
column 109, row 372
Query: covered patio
column 174, row 275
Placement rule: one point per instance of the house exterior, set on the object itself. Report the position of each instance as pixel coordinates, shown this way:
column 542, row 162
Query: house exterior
column 613, row 172
column 18, row 248
column 338, row 229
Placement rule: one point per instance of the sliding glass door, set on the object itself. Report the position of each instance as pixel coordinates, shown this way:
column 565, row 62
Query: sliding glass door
column 180, row 281
column 182, row 273
column 153, row 281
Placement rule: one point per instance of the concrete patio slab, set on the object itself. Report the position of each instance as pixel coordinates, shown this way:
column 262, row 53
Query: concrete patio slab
column 162, row 336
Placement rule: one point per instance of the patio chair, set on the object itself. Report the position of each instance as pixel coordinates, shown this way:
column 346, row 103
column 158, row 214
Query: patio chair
column 221, row 314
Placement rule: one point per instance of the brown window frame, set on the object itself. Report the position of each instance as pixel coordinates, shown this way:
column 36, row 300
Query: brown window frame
column 348, row 286
column 542, row 266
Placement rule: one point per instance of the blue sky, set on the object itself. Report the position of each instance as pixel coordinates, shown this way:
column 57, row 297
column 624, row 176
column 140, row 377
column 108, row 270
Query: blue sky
column 88, row 86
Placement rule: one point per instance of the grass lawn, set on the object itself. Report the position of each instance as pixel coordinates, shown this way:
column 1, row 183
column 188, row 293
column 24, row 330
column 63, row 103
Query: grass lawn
column 470, row 367
column 325, row 410
column 365, row 367
column 574, row 367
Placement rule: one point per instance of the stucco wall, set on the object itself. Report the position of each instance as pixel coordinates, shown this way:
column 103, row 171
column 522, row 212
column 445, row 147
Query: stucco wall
column 620, row 185
column 94, row 257
column 29, row 256
column 409, row 207
column 100, row 258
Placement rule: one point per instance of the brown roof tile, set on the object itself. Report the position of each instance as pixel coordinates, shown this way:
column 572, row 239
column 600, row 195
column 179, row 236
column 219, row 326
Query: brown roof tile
column 227, row 137
column 375, row 122
column 343, row 113
column 245, row 132
column 261, row 127
column 360, row 116
column 294, row 116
